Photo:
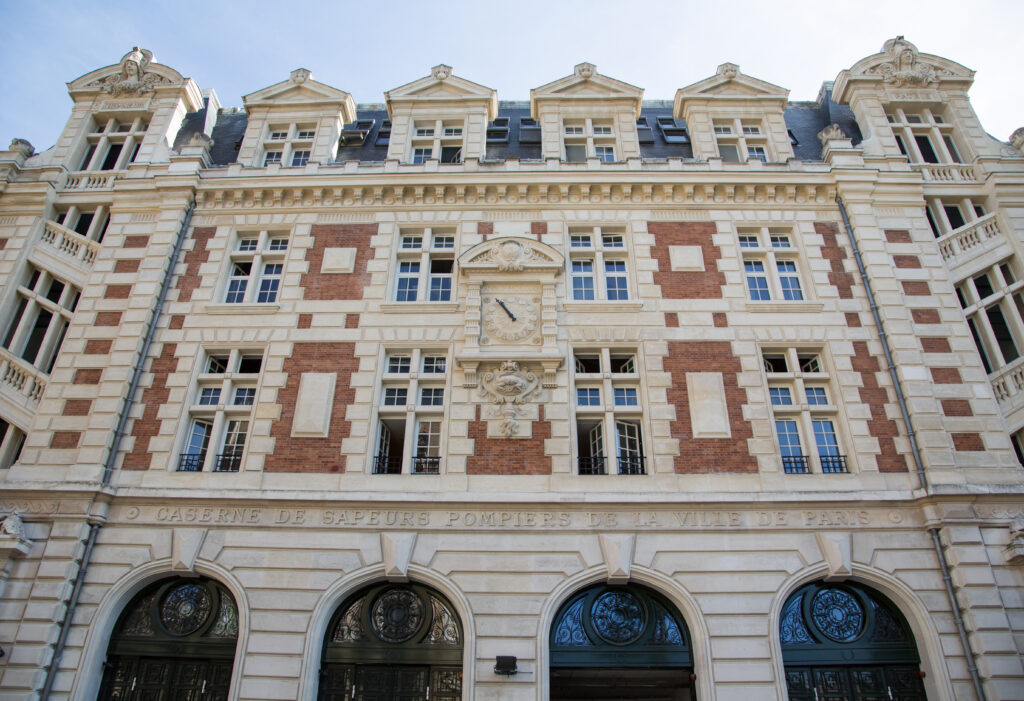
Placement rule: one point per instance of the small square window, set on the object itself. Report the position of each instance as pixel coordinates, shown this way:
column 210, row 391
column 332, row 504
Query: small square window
column 780, row 396
column 217, row 364
column 247, row 245
column 453, row 131
column 574, row 130
column 395, row 396
column 626, row 396
column 816, row 396
column 245, row 396
column 588, row 396
column 602, row 130
column 209, row 396
column 775, row 363
column 579, row 240
column 300, row 158
column 398, row 364
column 757, row 152
column 613, row 241
column 432, row 396
column 421, row 155
column 305, row 135
column 751, row 130
column 780, row 241
column 748, row 241
column 809, row 363
column 424, row 132
column 444, row 241
column 606, row 154
column 250, row 364
column 588, row 364
column 723, row 130
column 913, row 119
column 278, row 135
column 623, row 364
column 412, row 242
column 271, row 157
column 434, row 364
column 278, row 245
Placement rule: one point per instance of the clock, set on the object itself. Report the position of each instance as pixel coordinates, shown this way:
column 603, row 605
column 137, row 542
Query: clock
column 509, row 317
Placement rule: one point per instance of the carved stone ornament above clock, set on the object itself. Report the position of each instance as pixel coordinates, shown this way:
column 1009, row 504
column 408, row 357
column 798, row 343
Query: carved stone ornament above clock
column 511, row 254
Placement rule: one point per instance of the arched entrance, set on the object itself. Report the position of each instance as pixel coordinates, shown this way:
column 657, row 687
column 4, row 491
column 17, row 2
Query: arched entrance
column 393, row 642
column 845, row 642
column 176, row 638
column 610, row 642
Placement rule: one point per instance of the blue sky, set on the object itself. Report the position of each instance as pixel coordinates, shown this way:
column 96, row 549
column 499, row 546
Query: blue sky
column 368, row 47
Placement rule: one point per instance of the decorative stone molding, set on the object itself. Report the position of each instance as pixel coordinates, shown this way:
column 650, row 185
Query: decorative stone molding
column 441, row 72
column 300, row 75
column 836, row 549
column 729, row 70
column 396, row 554
column 13, row 541
column 905, row 66
column 585, row 70
column 510, row 255
column 185, row 546
column 508, row 386
column 831, row 133
column 26, row 149
column 1014, row 552
column 618, row 556
column 1016, row 138
column 133, row 77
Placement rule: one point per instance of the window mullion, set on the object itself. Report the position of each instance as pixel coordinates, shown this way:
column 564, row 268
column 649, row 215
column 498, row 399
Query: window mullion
column 214, row 446
column 409, row 439
column 939, row 145
column 28, row 319
column 423, row 281
column 252, row 287
column 599, row 273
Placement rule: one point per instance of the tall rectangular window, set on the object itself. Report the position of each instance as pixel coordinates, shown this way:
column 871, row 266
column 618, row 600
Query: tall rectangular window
column 771, row 263
column 598, row 263
column 609, row 373
column 425, row 259
column 256, row 265
column 409, row 438
column 43, row 308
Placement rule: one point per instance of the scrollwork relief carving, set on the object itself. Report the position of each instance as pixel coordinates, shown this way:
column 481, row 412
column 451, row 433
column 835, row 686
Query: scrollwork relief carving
column 509, row 387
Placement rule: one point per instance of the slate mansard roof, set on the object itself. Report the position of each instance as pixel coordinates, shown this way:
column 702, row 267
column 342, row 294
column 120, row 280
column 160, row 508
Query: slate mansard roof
column 803, row 119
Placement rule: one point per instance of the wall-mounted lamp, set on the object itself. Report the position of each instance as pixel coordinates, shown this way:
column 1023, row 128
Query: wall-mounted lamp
column 505, row 664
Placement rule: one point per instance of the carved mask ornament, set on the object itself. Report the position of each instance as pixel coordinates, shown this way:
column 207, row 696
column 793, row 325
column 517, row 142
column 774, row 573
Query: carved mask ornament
column 509, row 386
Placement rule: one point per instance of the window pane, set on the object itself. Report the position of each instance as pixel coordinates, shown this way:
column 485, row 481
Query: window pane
column 245, row 396
column 398, row 364
column 825, row 438
column 816, row 396
column 431, row 396
column 209, row 396
column 588, row 396
column 433, row 365
column 757, row 283
column 395, row 396
column 780, row 396
column 625, row 396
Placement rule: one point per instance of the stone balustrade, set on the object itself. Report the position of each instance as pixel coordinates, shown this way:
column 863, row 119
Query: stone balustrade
column 91, row 180
column 946, row 172
column 21, row 379
column 970, row 240
column 70, row 244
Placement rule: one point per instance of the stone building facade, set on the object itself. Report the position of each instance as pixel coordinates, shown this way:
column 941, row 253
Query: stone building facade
column 581, row 397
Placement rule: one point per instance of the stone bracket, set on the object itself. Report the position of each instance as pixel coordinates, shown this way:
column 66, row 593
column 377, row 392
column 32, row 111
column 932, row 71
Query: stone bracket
column 396, row 553
column 835, row 549
column 618, row 553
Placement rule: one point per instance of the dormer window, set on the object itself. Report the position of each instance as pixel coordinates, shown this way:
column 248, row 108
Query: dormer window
column 288, row 144
column 441, row 139
column 113, row 145
column 923, row 137
column 738, row 139
column 589, row 138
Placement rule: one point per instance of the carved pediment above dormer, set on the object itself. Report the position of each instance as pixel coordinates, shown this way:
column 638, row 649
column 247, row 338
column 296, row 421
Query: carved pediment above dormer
column 136, row 75
column 585, row 83
column 442, row 86
column 901, row 65
column 511, row 255
column 300, row 90
column 729, row 84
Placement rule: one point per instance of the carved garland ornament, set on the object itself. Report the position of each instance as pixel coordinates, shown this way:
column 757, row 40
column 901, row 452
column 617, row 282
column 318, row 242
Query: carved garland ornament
column 509, row 387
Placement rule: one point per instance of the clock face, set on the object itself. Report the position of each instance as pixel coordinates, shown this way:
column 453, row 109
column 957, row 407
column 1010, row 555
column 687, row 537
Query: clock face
column 509, row 317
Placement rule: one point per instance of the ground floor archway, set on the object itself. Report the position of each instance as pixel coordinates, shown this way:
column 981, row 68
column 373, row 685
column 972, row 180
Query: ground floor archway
column 617, row 643
column 393, row 642
column 846, row 642
column 175, row 639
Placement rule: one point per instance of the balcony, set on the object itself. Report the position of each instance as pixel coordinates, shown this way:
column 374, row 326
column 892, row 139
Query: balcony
column 230, row 460
column 971, row 240
column 191, row 462
column 69, row 244
column 832, row 463
column 632, row 465
column 801, row 464
column 591, row 465
column 91, row 180
column 795, row 464
column 22, row 380
column 1008, row 386
column 387, row 465
column 946, row 172
column 426, row 465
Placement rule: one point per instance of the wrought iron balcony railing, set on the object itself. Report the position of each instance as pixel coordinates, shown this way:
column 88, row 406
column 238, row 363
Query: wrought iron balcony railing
column 387, row 465
column 191, row 462
column 795, row 464
column 833, row 463
column 632, row 465
column 591, row 465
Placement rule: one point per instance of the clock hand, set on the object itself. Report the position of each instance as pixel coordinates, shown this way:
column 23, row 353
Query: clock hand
column 510, row 314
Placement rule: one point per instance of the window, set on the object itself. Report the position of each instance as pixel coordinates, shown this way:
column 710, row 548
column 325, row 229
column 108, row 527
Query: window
column 735, row 137
column 43, row 307
column 288, row 143
column 222, row 426
column 409, row 438
column 255, row 268
column 442, row 137
column 90, row 224
column 425, row 261
column 948, row 214
column 609, row 439
column 993, row 302
column 923, row 136
column 588, row 138
column 609, row 257
column 114, row 145
column 805, row 430
column 770, row 264
column 12, row 439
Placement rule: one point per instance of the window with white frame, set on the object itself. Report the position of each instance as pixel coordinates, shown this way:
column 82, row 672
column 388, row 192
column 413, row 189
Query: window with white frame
column 255, row 267
column 740, row 139
column 220, row 415
column 39, row 320
column 993, row 302
column 410, row 416
column 91, row 223
column 113, row 143
column 12, row 440
column 442, row 139
column 588, row 138
column 609, row 414
column 771, row 264
column 803, row 410
column 425, row 264
column 598, row 264
column 947, row 214
column 288, row 144
column 923, row 135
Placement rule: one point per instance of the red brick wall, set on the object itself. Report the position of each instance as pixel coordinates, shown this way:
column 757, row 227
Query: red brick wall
column 77, row 407
column 87, row 376
column 107, row 319
column 686, row 285
column 98, row 346
column 117, row 292
column 153, row 397
column 925, row 316
column 313, row 454
column 835, row 255
column 136, row 241
column 875, row 396
column 946, row 376
column 708, row 455
column 65, row 440
column 509, row 456
column 916, row 288
column 957, row 407
column 935, row 344
column 897, row 236
column 127, row 265
column 338, row 285
column 199, row 254
column 968, row 442
column 906, row 261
